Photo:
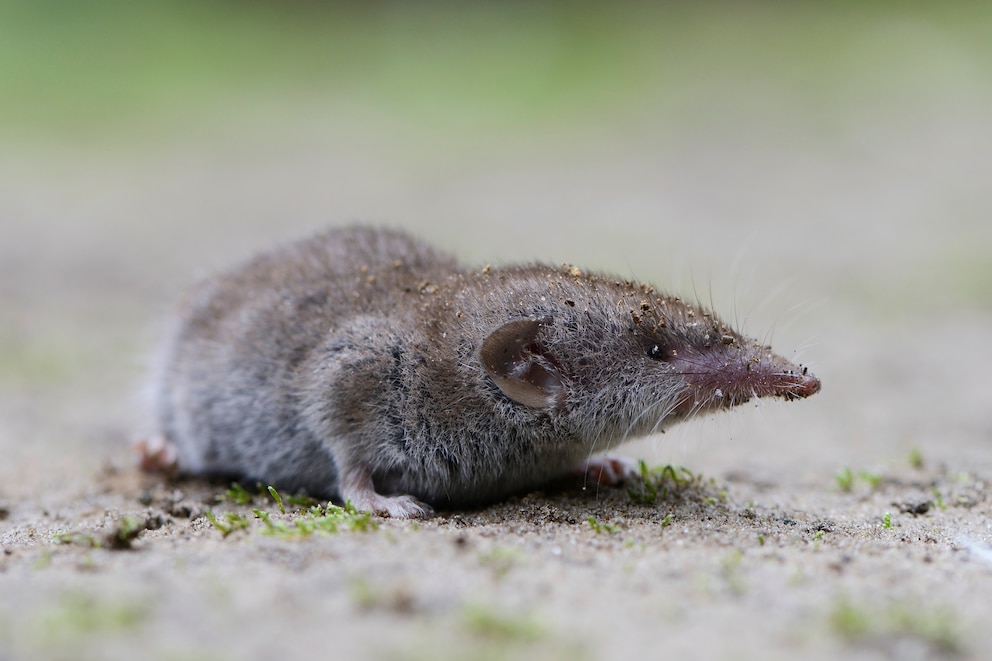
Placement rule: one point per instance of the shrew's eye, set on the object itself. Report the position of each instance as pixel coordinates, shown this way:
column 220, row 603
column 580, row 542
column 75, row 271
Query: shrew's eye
column 656, row 352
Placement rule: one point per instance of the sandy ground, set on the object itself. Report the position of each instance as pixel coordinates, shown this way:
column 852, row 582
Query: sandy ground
column 856, row 524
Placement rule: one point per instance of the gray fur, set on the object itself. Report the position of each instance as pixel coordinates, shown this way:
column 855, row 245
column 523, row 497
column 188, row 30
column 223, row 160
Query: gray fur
column 354, row 355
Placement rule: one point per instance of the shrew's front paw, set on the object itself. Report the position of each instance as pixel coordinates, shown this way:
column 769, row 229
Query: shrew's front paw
column 605, row 469
column 397, row 507
column 357, row 487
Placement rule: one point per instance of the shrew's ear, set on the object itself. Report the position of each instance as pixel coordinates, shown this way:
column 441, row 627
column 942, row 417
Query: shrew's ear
column 520, row 365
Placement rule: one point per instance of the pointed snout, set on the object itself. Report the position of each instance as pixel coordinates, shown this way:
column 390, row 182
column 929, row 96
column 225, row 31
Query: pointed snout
column 725, row 378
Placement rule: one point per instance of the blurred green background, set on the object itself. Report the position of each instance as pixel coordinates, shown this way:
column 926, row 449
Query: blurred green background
column 83, row 71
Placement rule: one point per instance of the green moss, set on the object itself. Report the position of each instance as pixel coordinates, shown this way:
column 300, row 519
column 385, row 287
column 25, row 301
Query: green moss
column 938, row 498
column 366, row 596
column 298, row 516
column 77, row 539
column 326, row 519
column 915, row 458
column 238, row 494
column 276, row 497
column 847, row 479
column 849, row 621
column 43, row 561
column 486, row 622
column 120, row 537
column 874, row 480
column 665, row 482
column 501, row 559
column 730, row 566
column 844, row 479
column 81, row 615
column 126, row 531
column 936, row 627
column 600, row 528
column 228, row 522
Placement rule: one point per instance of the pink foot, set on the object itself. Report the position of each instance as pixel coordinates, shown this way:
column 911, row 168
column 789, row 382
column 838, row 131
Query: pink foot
column 608, row 470
column 357, row 487
column 157, row 455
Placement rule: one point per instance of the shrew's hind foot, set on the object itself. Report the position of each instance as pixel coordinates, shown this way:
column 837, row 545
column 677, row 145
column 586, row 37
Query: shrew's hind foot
column 604, row 470
column 157, row 455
